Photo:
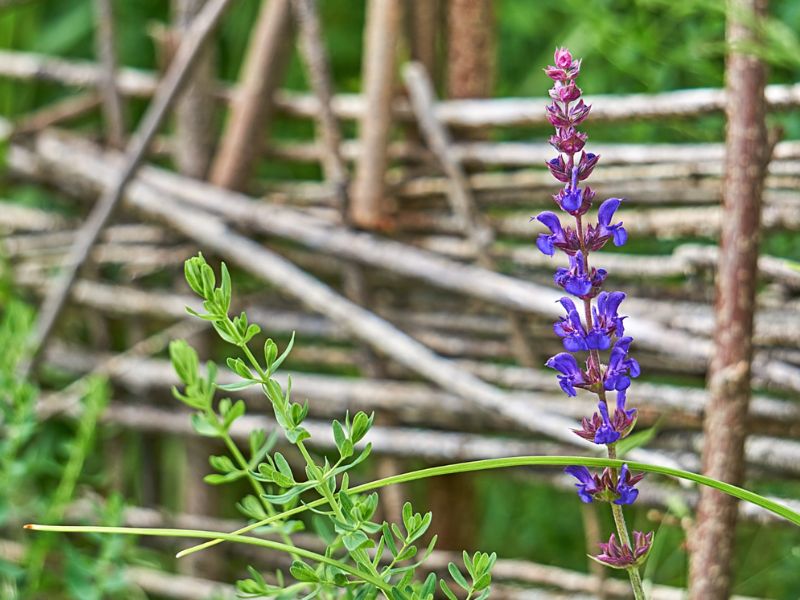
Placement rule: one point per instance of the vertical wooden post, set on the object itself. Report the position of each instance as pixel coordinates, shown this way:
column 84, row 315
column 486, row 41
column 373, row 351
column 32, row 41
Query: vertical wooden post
column 113, row 111
column 424, row 28
column 252, row 108
column 725, row 425
column 194, row 110
column 378, row 78
column 470, row 48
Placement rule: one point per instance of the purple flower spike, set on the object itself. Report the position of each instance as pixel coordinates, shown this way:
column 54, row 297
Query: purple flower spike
column 621, row 556
column 588, row 485
column 606, row 321
column 570, row 328
column 571, row 375
column 621, row 368
column 605, row 434
column 604, row 216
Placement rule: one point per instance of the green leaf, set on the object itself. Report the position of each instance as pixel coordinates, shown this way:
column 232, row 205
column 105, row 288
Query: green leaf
column 457, row 576
column 302, row 572
column 238, row 385
column 277, row 363
column 356, row 540
column 446, row 590
column 217, row 479
column 202, row 426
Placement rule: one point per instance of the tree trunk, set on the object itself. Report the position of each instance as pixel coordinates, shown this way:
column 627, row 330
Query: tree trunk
column 729, row 373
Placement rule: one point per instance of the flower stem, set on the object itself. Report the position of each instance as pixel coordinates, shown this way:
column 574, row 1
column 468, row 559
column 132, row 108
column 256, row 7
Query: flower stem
column 624, row 537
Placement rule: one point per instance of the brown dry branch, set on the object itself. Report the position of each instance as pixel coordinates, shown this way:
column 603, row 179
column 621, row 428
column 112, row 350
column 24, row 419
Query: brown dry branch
column 712, row 543
column 368, row 206
column 164, row 96
column 57, row 113
column 194, row 110
column 253, row 100
column 502, row 112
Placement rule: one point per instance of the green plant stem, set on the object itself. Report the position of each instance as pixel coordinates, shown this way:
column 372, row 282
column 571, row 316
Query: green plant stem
column 624, row 537
column 198, row 533
column 255, row 483
column 533, row 461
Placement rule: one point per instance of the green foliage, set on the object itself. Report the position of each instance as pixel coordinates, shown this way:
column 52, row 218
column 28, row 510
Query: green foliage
column 41, row 466
column 363, row 557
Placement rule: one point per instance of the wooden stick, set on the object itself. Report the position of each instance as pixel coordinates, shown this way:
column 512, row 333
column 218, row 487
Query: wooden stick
column 368, row 208
column 470, row 48
column 113, row 110
column 165, row 95
column 729, row 376
column 56, row 113
column 194, row 111
column 263, row 69
column 500, row 112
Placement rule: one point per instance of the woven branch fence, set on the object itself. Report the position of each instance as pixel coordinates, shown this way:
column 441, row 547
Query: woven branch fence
column 445, row 335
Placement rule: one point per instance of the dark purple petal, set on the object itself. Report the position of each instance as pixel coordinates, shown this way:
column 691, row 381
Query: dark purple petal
column 545, row 244
column 550, row 220
column 607, row 210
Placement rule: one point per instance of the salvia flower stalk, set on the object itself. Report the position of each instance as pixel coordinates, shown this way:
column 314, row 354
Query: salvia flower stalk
column 592, row 323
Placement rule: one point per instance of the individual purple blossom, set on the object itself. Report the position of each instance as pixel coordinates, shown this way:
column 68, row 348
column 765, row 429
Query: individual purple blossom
column 586, row 164
column 622, row 556
column 577, row 281
column 570, row 329
column 572, row 375
column 588, row 485
column 622, row 422
column 562, row 117
column 558, row 168
column 568, row 140
column 620, row 368
column 604, row 216
column 606, row 487
column 626, row 489
column 563, row 238
column 565, row 67
column 605, row 322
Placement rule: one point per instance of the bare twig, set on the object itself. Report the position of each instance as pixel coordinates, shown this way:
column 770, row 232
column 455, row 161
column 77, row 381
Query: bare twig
column 253, row 102
column 165, row 95
column 57, row 113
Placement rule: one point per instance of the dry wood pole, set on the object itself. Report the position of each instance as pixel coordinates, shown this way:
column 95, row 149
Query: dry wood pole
column 423, row 24
column 470, row 48
column 165, row 95
column 253, row 104
column 367, row 203
column 730, row 370
column 113, row 110
column 194, row 110
column 480, row 113
column 57, row 112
